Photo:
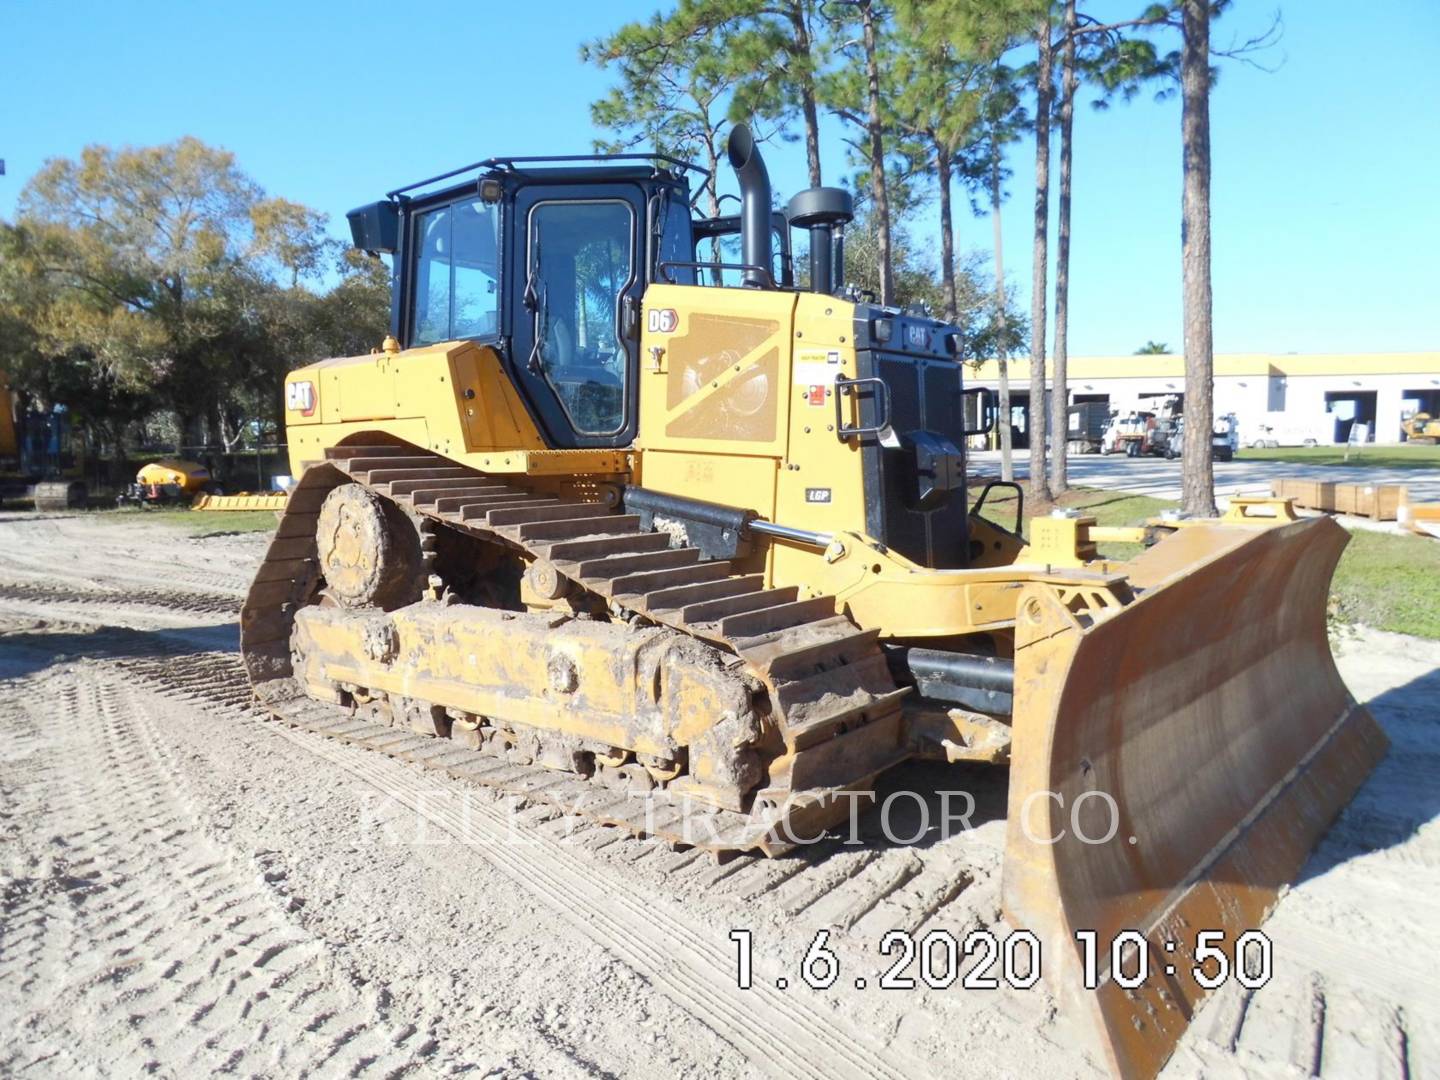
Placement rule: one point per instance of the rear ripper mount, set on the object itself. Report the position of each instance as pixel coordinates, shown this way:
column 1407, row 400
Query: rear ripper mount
column 743, row 715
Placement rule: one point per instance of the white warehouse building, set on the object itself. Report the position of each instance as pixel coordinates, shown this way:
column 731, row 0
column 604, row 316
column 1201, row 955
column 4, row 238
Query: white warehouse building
column 1288, row 398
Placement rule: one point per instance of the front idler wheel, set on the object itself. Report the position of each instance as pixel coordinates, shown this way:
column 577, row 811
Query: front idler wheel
column 369, row 550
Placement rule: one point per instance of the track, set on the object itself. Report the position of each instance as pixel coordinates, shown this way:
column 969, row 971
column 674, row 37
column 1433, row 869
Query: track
column 830, row 691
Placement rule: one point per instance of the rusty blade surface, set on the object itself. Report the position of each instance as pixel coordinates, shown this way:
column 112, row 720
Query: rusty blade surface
column 1211, row 712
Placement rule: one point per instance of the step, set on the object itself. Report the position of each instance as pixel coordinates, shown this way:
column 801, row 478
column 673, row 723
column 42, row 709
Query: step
column 615, row 565
column 812, row 657
column 357, row 465
column 346, row 453
column 870, row 674
column 817, row 728
column 476, row 509
column 776, row 646
column 556, row 511
column 458, row 483
column 376, row 477
column 600, row 546
column 449, row 504
column 658, row 580
column 781, row 617
column 710, row 610
column 458, row 489
column 567, row 530
column 678, row 597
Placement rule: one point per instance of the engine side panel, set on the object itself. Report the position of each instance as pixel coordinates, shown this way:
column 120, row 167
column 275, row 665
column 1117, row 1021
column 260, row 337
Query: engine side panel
column 453, row 399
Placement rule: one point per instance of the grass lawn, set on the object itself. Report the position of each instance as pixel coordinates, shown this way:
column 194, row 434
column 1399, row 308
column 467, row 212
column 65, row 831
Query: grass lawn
column 1384, row 581
column 1389, row 582
column 1405, row 456
column 204, row 522
column 1106, row 507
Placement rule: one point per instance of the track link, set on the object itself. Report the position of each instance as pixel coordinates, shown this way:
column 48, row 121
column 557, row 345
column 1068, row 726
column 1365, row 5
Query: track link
column 826, row 678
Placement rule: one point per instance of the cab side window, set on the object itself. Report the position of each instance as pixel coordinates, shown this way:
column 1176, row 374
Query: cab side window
column 456, row 291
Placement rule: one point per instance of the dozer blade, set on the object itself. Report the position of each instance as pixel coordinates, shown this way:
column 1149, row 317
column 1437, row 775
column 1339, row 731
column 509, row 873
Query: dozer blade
column 1210, row 726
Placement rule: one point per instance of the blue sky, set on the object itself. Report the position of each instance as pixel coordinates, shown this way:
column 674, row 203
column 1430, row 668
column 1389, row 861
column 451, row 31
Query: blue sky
column 1326, row 226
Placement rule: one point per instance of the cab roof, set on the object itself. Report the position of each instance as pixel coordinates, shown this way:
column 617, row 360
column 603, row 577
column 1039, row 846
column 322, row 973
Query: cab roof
column 562, row 169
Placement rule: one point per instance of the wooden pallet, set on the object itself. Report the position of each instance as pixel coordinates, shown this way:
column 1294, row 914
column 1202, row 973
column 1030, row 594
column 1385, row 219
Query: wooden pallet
column 1380, row 502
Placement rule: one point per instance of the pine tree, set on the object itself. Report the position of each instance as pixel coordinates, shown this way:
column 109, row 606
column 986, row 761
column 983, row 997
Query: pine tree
column 1197, row 478
column 855, row 93
column 671, row 96
column 1002, row 119
column 768, row 48
column 1060, row 392
column 1044, row 95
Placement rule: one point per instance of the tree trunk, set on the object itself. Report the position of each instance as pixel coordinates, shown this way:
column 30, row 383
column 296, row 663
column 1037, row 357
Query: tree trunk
column 1007, row 451
column 20, row 401
column 808, row 107
column 712, row 197
column 878, row 188
column 118, row 467
column 947, row 234
column 215, row 459
column 1197, row 482
column 192, row 429
column 1039, row 485
column 1060, row 390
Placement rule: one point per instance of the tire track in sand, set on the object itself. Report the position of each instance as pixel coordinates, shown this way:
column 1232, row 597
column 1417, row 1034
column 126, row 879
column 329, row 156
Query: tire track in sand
column 780, row 1036
column 131, row 941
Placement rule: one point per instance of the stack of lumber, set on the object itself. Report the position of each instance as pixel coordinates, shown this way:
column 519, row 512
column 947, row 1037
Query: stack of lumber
column 1380, row 502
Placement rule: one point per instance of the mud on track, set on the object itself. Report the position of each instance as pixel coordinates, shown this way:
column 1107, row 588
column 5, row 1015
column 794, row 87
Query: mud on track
column 186, row 886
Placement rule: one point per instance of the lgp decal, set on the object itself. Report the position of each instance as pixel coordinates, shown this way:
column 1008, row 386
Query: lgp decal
column 817, row 495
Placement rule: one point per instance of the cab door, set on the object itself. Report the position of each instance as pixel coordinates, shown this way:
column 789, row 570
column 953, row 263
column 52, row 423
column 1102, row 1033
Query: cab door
column 578, row 279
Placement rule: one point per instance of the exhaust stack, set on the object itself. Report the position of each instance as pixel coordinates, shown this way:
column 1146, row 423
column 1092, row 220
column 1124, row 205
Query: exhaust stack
column 755, row 201
column 822, row 210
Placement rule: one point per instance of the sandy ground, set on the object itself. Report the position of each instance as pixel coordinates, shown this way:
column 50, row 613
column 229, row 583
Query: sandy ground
column 187, row 887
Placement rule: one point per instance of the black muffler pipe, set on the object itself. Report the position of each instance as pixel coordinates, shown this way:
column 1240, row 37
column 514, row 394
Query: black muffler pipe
column 755, row 206
column 822, row 210
column 822, row 260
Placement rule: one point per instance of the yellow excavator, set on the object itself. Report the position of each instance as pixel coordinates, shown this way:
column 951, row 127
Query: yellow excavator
column 689, row 548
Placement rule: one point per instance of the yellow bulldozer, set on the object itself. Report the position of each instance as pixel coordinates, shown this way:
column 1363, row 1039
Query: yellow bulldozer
column 610, row 514
column 1420, row 428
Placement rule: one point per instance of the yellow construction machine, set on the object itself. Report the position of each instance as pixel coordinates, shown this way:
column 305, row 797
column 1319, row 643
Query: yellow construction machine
column 177, row 482
column 168, row 482
column 613, row 518
column 1421, row 427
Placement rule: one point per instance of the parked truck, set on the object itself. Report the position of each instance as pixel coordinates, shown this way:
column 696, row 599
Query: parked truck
column 1276, row 429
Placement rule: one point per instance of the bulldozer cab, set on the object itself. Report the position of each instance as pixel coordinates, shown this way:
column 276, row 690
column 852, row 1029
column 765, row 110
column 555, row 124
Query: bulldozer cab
column 548, row 264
